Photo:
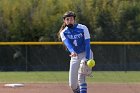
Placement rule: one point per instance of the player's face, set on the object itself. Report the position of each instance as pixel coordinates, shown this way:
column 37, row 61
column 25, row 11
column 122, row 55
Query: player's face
column 69, row 20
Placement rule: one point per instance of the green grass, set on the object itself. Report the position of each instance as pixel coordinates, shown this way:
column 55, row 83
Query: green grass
column 33, row 77
column 57, row 77
column 116, row 77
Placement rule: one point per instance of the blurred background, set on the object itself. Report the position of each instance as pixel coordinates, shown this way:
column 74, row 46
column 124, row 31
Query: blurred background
column 40, row 20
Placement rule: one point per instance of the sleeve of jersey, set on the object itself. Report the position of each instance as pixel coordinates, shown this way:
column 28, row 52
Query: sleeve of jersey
column 87, row 42
column 87, row 48
column 66, row 42
column 68, row 45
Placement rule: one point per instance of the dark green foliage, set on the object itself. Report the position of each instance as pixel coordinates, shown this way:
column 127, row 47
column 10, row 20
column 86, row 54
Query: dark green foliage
column 35, row 20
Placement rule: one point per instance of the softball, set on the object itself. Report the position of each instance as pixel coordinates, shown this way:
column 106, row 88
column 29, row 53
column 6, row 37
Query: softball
column 91, row 63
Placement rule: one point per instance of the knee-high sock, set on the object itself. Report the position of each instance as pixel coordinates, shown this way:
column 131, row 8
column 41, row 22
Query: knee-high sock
column 83, row 88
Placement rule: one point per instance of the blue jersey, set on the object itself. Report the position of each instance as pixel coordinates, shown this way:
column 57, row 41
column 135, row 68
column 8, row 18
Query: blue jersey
column 76, row 39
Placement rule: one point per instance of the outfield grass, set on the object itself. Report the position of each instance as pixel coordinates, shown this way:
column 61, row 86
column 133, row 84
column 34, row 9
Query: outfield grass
column 116, row 77
column 57, row 77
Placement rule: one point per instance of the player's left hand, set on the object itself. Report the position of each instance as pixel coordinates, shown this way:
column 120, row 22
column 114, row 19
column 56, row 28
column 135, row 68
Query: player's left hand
column 84, row 69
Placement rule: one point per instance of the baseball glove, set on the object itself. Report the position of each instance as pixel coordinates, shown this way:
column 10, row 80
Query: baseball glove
column 84, row 69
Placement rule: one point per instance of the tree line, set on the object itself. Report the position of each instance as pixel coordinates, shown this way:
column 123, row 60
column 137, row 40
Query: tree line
column 40, row 20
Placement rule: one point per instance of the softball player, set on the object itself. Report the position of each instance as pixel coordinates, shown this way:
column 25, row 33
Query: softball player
column 76, row 38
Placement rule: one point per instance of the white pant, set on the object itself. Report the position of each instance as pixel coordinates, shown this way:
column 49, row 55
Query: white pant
column 74, row 78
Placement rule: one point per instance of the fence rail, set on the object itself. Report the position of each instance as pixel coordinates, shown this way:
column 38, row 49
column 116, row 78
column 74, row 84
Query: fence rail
column 60, row 43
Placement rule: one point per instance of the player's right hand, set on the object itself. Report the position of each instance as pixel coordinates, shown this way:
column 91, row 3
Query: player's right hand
column 73, row 54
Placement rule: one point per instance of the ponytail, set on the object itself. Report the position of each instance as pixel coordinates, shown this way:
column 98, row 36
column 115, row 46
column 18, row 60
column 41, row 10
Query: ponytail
column 62, row 27
column 58, row 34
